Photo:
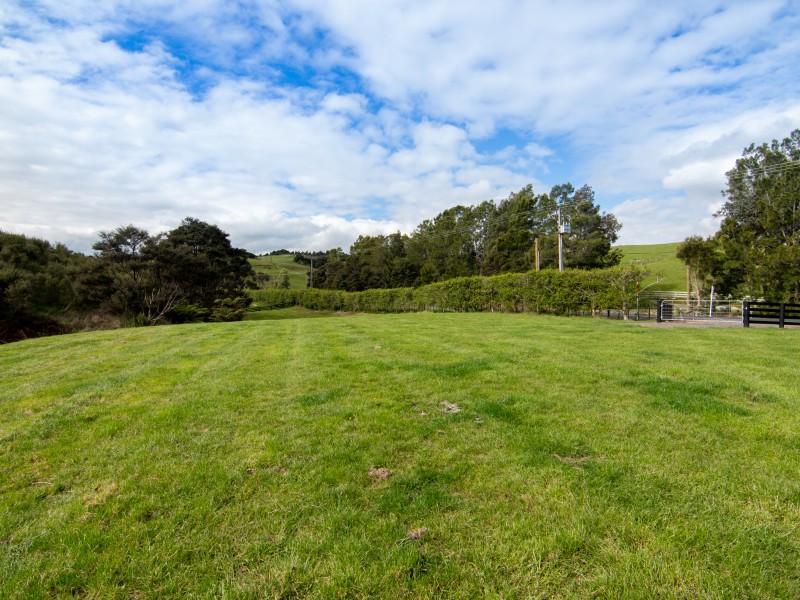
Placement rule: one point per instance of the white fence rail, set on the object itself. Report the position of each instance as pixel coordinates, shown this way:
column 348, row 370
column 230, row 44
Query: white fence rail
column 663, row 294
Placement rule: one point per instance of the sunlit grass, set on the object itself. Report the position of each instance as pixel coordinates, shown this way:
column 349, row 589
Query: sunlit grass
column 667, row 272
column 254, row 313
column 530, row 457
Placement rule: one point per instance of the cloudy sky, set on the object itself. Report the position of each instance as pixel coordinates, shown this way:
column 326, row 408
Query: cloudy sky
column 303, row 123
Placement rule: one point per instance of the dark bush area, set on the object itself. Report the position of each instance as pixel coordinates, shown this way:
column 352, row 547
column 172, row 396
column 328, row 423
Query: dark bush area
column 191, row 273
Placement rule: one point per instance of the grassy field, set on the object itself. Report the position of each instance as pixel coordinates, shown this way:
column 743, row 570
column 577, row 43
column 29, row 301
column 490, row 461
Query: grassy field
column 661, row 261
column 280, row 314
column 271, row 265
column 530, row 457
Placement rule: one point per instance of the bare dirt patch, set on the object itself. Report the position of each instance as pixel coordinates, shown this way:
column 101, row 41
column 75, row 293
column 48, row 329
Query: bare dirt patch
column 100, row 494
column 449, row 408
column 379, row 473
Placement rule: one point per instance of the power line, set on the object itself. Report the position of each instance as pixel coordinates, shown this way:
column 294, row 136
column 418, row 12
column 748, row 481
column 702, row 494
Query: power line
column 765, row 171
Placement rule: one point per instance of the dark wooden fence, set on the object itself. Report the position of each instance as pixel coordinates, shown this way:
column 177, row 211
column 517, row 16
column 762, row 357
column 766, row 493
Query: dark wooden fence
column 771, row 313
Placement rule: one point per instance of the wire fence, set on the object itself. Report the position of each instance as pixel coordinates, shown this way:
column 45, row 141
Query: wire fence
column 700, row 310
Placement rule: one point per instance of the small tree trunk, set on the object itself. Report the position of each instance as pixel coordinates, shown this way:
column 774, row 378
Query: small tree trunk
column 696, row 289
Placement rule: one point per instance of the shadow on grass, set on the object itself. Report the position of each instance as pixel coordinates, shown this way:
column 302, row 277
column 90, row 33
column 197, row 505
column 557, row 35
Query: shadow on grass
column 691, row 397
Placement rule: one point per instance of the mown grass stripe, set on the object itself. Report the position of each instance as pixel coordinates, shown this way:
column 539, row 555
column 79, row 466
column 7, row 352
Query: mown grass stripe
column 588, row 458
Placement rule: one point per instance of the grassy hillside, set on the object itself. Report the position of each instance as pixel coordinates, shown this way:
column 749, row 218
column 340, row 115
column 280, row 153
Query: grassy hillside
column 660, row 260
column 271, row 265
column 529, row 457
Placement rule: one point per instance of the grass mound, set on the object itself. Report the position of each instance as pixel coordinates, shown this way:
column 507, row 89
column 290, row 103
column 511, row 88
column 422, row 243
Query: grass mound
column 413, row 455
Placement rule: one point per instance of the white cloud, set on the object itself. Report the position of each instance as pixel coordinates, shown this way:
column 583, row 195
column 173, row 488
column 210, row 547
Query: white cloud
column 642, row 101
column 348, row 104
column 538, row 151
column 669, row 219
column 136, row 147
column 559, row 66
column 694, row 162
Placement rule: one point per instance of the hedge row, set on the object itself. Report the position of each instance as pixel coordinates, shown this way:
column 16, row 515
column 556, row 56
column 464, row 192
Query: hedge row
column 536, row 292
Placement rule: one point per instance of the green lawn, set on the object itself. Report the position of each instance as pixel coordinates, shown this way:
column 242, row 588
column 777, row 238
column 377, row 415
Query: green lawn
column 662, row 263
column 271, row 265
column 294, row 312
column 587, row 459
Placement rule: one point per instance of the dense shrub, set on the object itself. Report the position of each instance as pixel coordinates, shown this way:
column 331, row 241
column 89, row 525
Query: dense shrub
column 537, row 292
column 38, row 282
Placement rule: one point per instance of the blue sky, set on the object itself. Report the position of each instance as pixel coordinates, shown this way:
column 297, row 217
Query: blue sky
column 302, row 124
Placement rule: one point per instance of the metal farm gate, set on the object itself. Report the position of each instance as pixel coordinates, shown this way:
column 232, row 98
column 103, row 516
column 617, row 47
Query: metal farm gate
column 703, row 310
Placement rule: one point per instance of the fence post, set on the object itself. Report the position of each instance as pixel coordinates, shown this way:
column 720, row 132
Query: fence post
column 746, row 313
column 783, row 315
column 659, row 319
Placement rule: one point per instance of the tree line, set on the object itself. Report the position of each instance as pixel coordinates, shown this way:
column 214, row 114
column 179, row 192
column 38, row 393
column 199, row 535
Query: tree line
column 191, row 273
column 491, row 238
column 756, row 252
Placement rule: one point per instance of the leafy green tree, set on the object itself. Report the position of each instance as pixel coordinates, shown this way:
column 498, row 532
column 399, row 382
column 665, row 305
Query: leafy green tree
column 452, row 244
column 123, row 278
column 38, row 283
column 122, row 243
column 379, row 261
column 525, row 217
column 700, row 257
column 760, row 231
column 189, row 273
column 625, row 281
column 35, row 275
column 401, row 267
column 366, row 264
column 511, row 229
column 732, row 244
column 199, row 258
column 282, row 280
column 589, row 245
column 331, row 274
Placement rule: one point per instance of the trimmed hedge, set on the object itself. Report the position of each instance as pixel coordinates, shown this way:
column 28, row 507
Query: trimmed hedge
column 534, row 292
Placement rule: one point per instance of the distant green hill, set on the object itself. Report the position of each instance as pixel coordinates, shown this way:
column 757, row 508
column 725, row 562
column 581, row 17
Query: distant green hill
column 661, row 261
column 271, row 265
